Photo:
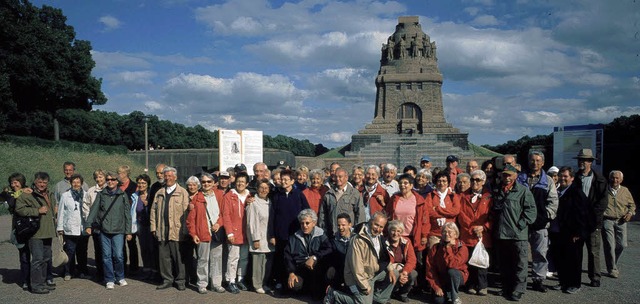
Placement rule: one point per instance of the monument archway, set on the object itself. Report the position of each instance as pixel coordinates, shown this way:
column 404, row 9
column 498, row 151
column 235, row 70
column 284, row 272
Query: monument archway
column 409, row 117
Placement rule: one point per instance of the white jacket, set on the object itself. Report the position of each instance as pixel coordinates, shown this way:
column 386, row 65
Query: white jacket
column 70, row 219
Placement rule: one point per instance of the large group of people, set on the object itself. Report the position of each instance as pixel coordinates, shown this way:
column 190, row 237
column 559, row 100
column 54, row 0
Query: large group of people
column 345, row 235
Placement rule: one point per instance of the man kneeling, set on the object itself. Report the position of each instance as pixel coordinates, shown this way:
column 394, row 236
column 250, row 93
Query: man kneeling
column 305, row 255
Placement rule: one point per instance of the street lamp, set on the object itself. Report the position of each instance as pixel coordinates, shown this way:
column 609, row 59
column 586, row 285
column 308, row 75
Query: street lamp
column 146, row 144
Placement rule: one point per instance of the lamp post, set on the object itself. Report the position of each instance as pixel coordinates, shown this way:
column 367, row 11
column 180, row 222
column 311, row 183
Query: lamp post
column 146, row 144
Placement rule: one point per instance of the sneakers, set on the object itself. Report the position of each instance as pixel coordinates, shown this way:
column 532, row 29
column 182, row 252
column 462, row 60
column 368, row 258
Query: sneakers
column 482, row 292
column 537, row 286
column 123, row 282
column 556, row 287
column 614, row 274
column 329, row 297
column 202, row 290
column 260, row 291
column 51, row 283
column 218, row 289
column 241, row 286
column 457, row 301
column 572, row 290
column 233, row 288
column 67, row 277
column 110, row 285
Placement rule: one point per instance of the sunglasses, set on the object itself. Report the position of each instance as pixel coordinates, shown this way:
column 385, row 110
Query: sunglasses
column 112, row 179
column 206, row 181
column 477, row 180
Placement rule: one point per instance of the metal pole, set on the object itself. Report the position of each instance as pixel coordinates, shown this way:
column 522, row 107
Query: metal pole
column 146, row 145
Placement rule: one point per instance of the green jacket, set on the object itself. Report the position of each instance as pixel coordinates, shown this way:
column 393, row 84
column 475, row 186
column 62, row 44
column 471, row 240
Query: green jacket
column 28, row 205
column 513, row 212
column 118, row 220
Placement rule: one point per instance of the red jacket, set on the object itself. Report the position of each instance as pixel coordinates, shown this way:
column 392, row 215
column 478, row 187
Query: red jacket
column 197, row 220
column 233, row 217
column 475, row 215
column 421, row 225
column 409, row 260
column 453, row 175
column 314, row 196
column 374, row 204
column 442, row 258
column 452, row 203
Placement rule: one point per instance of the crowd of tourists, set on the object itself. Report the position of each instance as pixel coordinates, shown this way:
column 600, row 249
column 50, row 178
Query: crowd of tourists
column 363, row 234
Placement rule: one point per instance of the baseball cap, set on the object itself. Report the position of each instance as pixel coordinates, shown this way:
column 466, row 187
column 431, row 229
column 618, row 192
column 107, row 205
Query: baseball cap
column 452, row 158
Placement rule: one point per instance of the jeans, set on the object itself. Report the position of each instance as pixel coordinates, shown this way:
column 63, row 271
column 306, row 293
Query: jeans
column 40, row 258
column 112, row 256
column 132, row 255
column 614, row 239
column 97, row 249
column 25, row 267
column 453, row 279
column 76, row 248
column 403, row 290
column 147, row 248
column 539, row 240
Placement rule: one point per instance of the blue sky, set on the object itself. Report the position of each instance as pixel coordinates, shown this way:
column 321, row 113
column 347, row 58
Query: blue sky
column 306, row 68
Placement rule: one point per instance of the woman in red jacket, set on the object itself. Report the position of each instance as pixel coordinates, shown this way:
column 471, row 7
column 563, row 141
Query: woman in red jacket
column 447, row 265
column 444, row 207
column 402, row 258
column 411, row 209
column 233, row 217
column 473, row 219
column 203, row 221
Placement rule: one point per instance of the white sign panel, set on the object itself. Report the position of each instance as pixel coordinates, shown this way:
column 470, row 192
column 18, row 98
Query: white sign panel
column 569, row 140
column 237, row 146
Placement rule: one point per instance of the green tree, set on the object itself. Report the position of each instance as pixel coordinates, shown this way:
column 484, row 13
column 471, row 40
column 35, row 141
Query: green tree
column 45, row 67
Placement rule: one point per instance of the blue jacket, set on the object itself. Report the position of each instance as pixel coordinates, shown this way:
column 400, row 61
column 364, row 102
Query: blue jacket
column 546, row 198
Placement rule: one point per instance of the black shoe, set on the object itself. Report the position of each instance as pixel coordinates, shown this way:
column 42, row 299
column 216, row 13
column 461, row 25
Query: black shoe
column 25, row 287
column 40, row 291
column 595, row 283
column 49, row 287
column 233, row 288
column 51, row 283
column 163, row 286
column 503, row 293
column 537, row 286
column 516, row 296
column 181, row 287
column 241, row 286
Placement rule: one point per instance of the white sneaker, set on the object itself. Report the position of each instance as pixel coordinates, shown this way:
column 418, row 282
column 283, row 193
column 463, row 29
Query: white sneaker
column 457, row 301
column 123, row 283
column 110, row 285
column 67, row 277
column 260, row 291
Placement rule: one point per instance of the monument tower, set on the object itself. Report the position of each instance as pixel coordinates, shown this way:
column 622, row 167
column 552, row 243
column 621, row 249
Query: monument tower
column 409, row 118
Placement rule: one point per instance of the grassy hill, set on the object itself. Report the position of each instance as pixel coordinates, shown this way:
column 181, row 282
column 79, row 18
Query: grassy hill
column 41, row 155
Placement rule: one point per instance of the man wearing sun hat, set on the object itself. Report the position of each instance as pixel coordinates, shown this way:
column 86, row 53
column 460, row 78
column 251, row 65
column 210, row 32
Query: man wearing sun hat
column 513, row 210
column 594, row 186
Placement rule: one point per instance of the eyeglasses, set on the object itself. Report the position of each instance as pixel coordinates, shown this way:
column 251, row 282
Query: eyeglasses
column 477, row 180
column 206, row 181
column 112, row 179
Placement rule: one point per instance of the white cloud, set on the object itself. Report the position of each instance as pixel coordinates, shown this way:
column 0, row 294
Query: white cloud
column 485, row 20
column 110, row 22
column 153, row 105
column 132, row 78
column 337, row 137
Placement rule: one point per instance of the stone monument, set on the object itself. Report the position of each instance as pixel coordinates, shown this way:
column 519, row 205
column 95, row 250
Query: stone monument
column 409, row 117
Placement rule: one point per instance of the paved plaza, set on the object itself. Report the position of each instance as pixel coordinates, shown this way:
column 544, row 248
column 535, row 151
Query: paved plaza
column 621, row 290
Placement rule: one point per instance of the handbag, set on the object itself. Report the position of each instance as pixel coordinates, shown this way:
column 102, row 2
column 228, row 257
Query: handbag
column 58, row 256
column 480, row 256
column 26, row 227
column 219, row 236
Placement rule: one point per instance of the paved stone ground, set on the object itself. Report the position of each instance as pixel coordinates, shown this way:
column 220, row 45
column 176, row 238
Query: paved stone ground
column 621, row 290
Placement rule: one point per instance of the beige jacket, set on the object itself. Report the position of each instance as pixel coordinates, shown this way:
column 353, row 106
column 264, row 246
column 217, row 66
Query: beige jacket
column 178, row 210
column 619, row 205
column 361, row 262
